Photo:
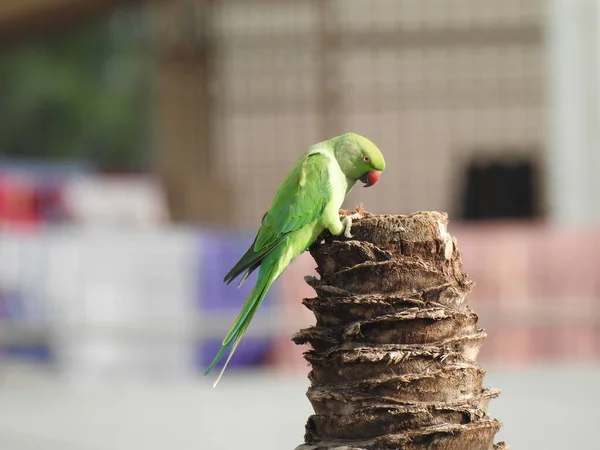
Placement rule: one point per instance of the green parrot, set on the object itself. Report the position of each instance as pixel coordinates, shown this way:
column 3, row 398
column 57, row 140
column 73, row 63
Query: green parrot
column 307, row 202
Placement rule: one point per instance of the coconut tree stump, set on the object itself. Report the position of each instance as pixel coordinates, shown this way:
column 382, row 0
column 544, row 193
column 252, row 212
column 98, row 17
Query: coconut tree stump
column 394, row 347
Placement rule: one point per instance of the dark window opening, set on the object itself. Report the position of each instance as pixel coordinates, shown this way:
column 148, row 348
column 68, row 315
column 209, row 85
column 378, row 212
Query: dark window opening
column 500, row 188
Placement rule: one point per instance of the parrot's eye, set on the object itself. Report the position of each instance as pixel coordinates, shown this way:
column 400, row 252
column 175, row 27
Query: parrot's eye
column 366, row 158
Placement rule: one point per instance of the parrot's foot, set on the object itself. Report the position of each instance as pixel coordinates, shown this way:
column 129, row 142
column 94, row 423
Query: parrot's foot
column 347, row 222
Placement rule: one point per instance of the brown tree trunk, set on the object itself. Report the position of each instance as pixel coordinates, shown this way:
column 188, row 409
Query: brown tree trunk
column 394, row 347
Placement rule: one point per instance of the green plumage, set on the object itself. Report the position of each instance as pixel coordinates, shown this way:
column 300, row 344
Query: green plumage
column 306, row 203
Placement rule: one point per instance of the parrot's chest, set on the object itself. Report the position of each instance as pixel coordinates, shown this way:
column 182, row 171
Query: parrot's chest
column 339, row 184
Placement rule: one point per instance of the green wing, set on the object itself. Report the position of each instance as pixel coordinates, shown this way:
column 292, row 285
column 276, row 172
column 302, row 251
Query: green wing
column 249, row 262
column 299, row 201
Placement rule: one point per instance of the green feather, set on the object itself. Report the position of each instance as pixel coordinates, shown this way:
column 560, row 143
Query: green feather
column 266, row 276
column 247, row 263
column 292, row 209
column 300, row 200
column 287, row 229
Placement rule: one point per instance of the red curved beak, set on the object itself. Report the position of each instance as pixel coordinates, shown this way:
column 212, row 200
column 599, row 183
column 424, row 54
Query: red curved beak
column 370, row 178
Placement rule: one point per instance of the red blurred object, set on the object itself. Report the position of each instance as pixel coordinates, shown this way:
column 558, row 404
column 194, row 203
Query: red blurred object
column 19, row 202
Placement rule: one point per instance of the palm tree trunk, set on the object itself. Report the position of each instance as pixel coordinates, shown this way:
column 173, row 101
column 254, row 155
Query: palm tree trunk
column 394, row 347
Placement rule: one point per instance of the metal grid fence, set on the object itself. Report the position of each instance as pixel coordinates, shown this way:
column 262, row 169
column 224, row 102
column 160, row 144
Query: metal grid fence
column 431, row 82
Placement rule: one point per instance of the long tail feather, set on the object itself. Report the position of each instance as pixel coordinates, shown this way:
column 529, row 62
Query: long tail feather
column 251, row 305
column 237, row 341
column 217, row 358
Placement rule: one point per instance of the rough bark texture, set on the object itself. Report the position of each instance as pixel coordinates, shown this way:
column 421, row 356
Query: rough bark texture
column 394, row 347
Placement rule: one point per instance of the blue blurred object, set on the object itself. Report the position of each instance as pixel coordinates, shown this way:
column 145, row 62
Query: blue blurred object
column 13, row 305
column 251, row 352
column 218, row 253
column 35, row 353
column 13, row 310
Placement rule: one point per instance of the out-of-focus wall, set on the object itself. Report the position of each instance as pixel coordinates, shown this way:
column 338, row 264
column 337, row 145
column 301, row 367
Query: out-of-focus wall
column 150, row 301
column 431, row 83
column 243, row 86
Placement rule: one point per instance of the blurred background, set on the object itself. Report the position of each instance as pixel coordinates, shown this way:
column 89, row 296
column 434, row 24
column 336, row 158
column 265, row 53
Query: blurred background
column 142, row 141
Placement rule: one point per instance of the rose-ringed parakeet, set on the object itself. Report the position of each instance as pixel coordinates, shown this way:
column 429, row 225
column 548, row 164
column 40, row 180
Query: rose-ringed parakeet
column 306, row 203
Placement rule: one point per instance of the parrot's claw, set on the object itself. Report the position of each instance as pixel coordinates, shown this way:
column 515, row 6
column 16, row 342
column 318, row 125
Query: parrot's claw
column 347, row 222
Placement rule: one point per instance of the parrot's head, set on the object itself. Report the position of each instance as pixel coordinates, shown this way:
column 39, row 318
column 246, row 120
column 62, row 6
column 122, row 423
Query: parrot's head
column 358, row 158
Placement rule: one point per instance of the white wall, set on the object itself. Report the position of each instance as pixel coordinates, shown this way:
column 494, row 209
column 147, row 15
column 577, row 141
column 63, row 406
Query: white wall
column 97, row 291
column 573, row 182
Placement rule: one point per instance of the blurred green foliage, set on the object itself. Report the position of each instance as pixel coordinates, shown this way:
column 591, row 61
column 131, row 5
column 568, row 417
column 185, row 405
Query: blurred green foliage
column 80, row 95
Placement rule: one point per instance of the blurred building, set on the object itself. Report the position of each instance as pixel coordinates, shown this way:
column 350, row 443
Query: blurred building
column 443, row 89
column 460, row 96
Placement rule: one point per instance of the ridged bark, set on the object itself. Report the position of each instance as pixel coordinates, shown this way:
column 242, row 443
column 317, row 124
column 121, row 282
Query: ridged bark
column 394, row 347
